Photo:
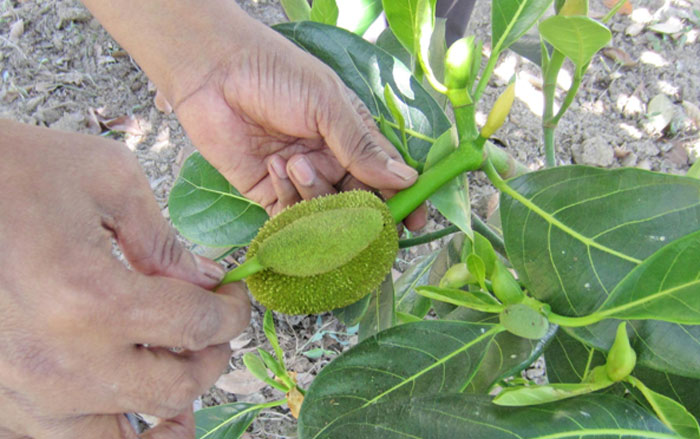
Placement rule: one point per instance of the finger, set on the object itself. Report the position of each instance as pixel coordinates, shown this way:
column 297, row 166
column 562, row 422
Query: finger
column 358, row 149
column 163, row 383
column 7, row 434
column 282, row 185
column 159, row 311
column 179, row 427
column 307, row 181
column 151, row 246
column 417, row 219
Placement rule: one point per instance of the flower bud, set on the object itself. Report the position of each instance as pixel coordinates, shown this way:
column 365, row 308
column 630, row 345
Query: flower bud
column 499, row 112
column 458, row 63
column 621, row 357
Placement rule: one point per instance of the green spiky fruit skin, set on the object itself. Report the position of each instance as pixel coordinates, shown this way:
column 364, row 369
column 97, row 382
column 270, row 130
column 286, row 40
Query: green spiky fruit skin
column 336, row 288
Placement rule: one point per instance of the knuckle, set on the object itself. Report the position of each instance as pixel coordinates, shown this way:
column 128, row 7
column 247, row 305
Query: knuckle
column 201, row 326
column 178, row 395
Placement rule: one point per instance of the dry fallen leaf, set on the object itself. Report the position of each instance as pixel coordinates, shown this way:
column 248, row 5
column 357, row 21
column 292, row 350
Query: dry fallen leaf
column 294, row 401
column 619, row 56
column 671, row 26
column 16, row 30
column 125, row 124
column 660, row 113
column 239, row 342
column 239, row 382
column 626, row 9
column 693, row 112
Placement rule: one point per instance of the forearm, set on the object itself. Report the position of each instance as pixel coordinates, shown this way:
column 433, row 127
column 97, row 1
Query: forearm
column 177, row 43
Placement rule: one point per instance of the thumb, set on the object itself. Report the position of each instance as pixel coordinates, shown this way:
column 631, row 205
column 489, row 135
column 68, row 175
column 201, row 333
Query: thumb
column 152, row 247
column 349, row 130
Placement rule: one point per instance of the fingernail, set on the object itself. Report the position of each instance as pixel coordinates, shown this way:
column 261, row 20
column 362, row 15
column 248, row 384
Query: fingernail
column 303, row 172
column 278, row 166
column 209, row 268
column 402, row 170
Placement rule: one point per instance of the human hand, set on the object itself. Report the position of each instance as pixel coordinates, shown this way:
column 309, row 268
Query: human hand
column 74, row 321
column 281, row 126
column 275, row 121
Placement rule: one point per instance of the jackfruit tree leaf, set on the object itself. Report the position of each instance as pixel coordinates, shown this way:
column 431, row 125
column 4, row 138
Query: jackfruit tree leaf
column 566, row 358
column 408, row 361
column 416, row 275
column 681, row 389
column 352, row 314
column 227, row 421
column 366, row 69
column 405, row 19
column 207, row 210
column 574, row 232
column 579, row 38
column 452, row 199
column 459, row 415
column 324, row 11
column 357, row 15
column 388, row 42
column 666, row 286
column 510, row 19
column 296, row 10
column 381, row 312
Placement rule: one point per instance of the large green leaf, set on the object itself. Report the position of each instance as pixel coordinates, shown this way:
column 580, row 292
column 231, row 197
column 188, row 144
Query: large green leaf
column 454, row 415
column 681, row 389
column 574, row 232
column 207, row 210
column 357, row 15
column 666, row 286
column 579, row 38
column 452, row 199
column 404, row 362
column 228, row 421
column 510, row 19
column 388, row 42
column 366, row 69
column 416, row 275
column 324, row 11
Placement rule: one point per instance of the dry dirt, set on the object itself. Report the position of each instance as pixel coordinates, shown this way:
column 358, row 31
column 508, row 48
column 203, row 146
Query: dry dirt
column 59, row 68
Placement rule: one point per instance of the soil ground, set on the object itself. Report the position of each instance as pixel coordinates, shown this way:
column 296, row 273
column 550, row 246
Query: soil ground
column 59, row 68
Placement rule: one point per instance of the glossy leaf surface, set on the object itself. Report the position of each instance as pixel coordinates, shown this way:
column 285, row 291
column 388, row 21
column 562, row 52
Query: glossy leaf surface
column 407, row 361
column 575, row 232
column 366, row 69
column 510, row 19
column 666, row 286
column 207, row 210
column 450, row 415
column 228, row 421
column 405, row 20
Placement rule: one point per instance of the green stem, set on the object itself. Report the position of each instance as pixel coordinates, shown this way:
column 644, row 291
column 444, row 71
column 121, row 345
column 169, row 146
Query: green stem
column 409, row 131
column 428, row 237
column 250, row 266
column 550, row 87
column 570, row 95
column 465, row 158
column 505, row 164
column 487, row 232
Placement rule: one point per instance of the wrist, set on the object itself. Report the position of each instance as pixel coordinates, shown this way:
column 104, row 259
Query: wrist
column 178, row 44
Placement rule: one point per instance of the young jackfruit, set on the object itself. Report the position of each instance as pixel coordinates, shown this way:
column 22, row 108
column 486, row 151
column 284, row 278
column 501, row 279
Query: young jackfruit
column 323, row 253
